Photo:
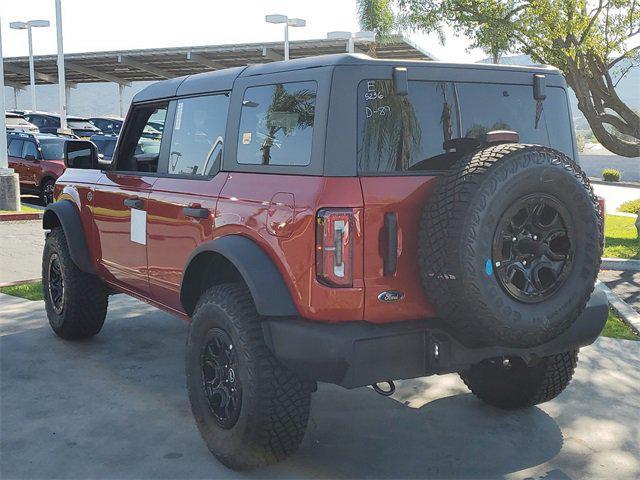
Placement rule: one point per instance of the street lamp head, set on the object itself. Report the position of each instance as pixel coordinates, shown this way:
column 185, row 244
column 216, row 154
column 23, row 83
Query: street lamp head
column 296, row 22
column 38, row 23
column 276, row 18
column 30, row 23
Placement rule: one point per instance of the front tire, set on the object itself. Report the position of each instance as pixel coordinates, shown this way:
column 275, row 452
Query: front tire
column 75, row 301
column 510, row 384
column 250, row 410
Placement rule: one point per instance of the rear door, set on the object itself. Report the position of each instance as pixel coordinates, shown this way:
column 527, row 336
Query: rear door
column 182, row 204
column 121, row 202
column 14, row 152
column 31, row 159
column 400, row 154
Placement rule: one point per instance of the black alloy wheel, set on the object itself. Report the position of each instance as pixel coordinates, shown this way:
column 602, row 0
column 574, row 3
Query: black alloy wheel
column 56, row 284
column 220, row 379
column 47, row 192
column 532, row 248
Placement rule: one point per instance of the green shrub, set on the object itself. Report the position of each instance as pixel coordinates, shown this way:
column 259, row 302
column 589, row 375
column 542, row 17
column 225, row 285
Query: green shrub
column 611, row 175
column 632, row 206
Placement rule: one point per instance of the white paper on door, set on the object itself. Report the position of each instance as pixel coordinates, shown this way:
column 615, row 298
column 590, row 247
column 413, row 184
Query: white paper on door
column 139, row 226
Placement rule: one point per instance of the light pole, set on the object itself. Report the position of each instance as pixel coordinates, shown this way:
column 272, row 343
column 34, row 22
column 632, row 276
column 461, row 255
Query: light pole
column 288, row 22
column 9, row 183
column 32, row 74
column 364, row 36
column 61, row 80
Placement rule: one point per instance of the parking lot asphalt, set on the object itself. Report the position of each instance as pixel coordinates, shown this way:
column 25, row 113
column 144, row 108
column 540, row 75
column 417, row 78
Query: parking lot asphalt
column 116, row 407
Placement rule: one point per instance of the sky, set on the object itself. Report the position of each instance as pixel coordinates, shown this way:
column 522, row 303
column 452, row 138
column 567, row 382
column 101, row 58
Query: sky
column 90, row 25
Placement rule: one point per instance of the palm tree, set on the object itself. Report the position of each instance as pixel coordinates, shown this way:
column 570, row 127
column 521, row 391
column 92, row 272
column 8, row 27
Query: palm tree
column 285, row 106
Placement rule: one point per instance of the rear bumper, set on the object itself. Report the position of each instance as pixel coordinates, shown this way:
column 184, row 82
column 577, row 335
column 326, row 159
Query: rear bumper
column 360, row 353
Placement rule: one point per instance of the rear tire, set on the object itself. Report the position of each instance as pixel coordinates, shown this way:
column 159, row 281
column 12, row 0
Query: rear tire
column 250, row 410
column 46, row 191
column 75, row 301
column 516, row 385
column 510, row 245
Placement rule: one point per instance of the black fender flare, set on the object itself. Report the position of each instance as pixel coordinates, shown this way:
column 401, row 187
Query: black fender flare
column 268, row 289
column 65, row 214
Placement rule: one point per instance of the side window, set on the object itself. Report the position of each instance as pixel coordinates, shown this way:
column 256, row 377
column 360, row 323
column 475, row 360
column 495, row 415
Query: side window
column 35, row 119
column 136, row 152
column 15, row 148
column 276, row 124
column 402, row 133
column 30, row 149
column 198, row 135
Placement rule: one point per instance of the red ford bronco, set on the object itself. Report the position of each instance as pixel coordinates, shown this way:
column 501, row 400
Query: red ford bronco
column 338, row 219
column 38, row 159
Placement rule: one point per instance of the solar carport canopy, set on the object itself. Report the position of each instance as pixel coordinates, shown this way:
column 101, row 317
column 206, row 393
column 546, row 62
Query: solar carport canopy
column 126, row 66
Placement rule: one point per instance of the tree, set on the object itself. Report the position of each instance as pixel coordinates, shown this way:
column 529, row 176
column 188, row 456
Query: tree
column 588, row 40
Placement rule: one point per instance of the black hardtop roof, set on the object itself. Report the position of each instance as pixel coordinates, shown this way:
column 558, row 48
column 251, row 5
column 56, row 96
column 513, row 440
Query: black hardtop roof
column 220, row 80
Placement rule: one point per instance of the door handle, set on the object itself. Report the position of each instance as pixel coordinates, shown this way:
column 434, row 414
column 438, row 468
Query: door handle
column 134, row 202
column 390, row 260
column 196, row 212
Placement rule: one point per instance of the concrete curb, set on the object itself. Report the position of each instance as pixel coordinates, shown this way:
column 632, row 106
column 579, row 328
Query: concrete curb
column 19, row 282
column 17, row 217
column 599, row 181
column 620, row 264
column 626, row 312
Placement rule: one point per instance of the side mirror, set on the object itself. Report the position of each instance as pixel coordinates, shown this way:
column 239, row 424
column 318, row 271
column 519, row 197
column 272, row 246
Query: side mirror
column 30, row 158
column 80, row 154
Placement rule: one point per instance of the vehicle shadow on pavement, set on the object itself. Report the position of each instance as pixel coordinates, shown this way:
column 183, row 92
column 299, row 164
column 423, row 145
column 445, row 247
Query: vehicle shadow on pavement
column 116, row 407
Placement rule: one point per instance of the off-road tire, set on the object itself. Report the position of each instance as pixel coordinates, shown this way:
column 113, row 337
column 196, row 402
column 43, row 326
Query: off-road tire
column 85, row 297
column 48, row 183
column 518, row 385
column 456, row 237
column 275, row 403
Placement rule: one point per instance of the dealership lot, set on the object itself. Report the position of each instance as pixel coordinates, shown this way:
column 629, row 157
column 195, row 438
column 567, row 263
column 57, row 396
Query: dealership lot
column 116, row 407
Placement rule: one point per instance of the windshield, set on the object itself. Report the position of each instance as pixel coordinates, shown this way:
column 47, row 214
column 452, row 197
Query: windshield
column 52, row 148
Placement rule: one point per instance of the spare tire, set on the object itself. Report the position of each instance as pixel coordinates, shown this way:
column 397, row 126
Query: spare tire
column 510, row 245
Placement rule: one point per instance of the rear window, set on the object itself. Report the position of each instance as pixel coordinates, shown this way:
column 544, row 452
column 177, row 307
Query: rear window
column 52, row 148
column 276, row 125
column 416, row 132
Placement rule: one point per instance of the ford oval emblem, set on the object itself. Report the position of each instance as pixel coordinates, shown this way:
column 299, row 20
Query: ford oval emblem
column 390, row 296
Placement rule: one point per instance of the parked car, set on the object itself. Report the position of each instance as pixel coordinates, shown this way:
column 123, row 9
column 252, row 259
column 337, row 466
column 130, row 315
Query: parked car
column 339, row 219
column 50, row 123
column 38, row 159
column 113, row 125
column 106, row 145
column 107, row 125
column 17, row 123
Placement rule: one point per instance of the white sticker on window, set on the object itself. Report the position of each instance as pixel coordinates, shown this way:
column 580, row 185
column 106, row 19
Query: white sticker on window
column 178, row 116
column 139, row 226
column 246, row 138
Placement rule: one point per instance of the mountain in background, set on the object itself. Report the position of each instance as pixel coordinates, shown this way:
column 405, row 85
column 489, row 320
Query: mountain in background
column 627, row 89
column 86, row 100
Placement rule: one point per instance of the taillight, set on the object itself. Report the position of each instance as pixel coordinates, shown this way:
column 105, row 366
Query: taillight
column 334, row 247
